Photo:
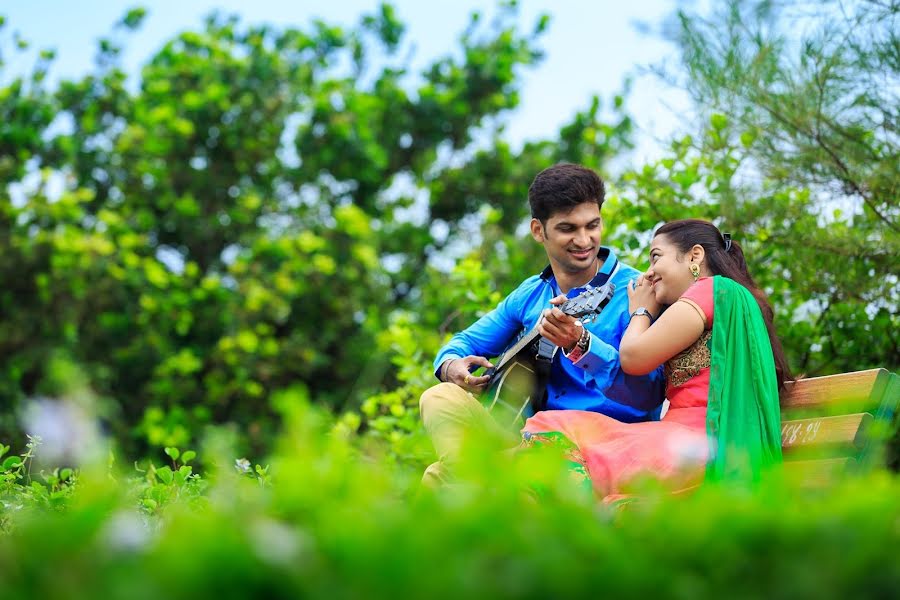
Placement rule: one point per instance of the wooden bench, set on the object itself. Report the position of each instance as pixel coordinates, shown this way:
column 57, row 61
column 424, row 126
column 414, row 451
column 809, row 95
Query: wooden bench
column 840, row 424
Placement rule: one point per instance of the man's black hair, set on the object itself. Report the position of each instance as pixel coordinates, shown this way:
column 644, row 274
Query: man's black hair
column 561, row 188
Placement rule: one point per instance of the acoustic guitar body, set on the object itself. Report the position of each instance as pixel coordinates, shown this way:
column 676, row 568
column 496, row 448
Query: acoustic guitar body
column 509, row 397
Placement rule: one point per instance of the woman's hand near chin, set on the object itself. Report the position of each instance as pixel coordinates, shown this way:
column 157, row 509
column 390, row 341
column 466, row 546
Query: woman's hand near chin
column 641, row 294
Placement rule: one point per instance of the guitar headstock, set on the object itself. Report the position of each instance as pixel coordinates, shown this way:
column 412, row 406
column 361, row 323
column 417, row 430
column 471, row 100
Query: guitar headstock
column 590, row 302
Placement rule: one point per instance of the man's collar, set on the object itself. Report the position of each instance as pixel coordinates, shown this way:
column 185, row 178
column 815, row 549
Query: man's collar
column 605, row 254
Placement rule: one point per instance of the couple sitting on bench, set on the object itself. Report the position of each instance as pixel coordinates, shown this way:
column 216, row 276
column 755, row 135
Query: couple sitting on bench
column 694, row 328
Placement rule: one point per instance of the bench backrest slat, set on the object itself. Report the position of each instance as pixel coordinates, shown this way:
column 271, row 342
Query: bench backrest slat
column 862, row 390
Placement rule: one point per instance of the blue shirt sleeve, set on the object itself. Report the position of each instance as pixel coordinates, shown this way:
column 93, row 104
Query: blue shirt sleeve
column 490, row 335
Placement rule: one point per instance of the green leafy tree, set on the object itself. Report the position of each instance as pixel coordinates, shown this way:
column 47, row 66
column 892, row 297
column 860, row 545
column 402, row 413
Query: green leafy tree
column 260, row 213
column 798, row 155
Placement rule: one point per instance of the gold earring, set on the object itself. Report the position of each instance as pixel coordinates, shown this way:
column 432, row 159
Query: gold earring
column 695, row 270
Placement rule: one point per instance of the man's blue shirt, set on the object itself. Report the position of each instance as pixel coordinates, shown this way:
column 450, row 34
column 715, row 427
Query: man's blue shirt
column 596, row 381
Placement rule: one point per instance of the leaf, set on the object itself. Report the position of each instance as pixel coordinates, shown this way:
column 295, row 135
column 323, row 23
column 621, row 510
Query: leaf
column 718, row 121
column 173, row 452
column 165, row 475
column 11, row 463
column 188, row 456
column 133, row 18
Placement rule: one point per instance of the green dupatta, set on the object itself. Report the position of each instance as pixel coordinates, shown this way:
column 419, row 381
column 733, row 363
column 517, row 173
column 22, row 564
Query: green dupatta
column 743, row 415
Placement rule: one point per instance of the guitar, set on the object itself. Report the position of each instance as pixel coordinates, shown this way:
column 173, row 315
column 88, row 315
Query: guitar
column 513, row 388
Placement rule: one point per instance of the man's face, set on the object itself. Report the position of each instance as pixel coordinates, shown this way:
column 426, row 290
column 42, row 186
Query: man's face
column 571, row 239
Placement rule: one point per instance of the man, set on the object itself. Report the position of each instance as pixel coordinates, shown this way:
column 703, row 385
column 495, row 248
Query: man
column 586, row 374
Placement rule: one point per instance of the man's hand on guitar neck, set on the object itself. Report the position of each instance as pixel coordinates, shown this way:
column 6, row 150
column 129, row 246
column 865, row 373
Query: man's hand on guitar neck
column 560, row 328
column 459, row 371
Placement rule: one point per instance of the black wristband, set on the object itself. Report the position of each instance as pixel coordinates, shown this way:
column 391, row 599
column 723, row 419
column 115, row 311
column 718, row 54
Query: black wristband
column 445, row 366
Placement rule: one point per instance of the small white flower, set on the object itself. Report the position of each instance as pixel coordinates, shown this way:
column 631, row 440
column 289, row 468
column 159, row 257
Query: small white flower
column 242, row 465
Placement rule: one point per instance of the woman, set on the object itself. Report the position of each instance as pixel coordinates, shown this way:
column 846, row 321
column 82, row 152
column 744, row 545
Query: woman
column 698, row 311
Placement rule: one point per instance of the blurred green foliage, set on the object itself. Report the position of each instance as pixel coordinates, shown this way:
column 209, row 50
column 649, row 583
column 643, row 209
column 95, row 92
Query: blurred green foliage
column 333, row 519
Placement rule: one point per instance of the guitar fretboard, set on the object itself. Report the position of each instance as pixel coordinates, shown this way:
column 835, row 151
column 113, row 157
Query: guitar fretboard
column 520, row 345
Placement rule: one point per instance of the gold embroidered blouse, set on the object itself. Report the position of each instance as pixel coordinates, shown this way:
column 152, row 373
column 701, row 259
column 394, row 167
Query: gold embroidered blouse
column 689, row 361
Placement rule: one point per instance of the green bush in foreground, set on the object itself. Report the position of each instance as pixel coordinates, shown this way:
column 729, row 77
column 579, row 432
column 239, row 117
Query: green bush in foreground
column 331, row 517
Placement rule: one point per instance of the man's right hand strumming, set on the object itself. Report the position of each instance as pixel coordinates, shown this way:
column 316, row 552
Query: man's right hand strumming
column 459, row 371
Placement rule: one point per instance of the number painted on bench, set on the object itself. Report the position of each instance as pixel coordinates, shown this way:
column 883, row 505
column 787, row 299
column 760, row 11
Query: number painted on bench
column 793, row 433
column 843, row 430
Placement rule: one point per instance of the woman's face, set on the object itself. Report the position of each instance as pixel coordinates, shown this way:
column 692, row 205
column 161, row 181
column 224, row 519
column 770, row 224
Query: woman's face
column 669, row 271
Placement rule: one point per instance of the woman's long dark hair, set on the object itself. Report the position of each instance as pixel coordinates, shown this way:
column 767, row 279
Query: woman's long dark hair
column 684, row 234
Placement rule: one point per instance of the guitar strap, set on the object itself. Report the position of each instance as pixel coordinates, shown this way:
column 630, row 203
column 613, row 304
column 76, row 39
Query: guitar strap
column 543, row 360
column 546, row 350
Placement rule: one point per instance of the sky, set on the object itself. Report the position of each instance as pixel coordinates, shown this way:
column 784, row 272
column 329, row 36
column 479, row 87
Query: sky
column 590, row 48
